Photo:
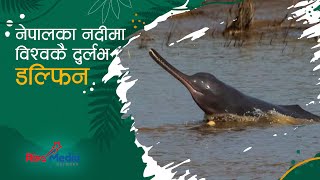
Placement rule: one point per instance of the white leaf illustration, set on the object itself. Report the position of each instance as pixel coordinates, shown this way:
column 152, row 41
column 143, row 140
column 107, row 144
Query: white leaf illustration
column 126, row 3
column 97, row 5
column 115, row 8
column 106, row 5
column 105, row 12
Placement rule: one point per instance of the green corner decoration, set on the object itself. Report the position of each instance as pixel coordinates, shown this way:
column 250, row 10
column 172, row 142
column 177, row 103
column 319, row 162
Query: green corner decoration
column 306, row 169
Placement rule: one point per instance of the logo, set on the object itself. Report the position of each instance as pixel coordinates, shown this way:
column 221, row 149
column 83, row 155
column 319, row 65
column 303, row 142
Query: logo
column 69, row 159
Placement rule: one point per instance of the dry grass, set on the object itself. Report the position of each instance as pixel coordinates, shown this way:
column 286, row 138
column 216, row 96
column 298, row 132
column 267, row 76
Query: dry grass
column 240, row 18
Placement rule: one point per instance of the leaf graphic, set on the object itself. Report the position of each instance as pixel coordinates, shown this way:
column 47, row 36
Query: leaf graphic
column 105, row 109
column 19, row 5
column 115, row 8
column 99, row 102
column 97, row 5
column 105, row 12
column 98, row 121
column 126, row 3
column 97, row 109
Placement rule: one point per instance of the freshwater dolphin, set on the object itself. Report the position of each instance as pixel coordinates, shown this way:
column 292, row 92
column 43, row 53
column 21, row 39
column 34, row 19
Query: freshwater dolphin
column 215, row 97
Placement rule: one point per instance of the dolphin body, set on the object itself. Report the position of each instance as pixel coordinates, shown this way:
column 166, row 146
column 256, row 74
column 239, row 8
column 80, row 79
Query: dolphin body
column 215, row 97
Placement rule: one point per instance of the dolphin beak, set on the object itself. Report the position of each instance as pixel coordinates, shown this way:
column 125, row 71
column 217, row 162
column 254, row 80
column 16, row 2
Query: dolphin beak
column 183, row 78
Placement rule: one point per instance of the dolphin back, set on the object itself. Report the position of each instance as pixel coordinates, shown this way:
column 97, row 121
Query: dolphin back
column 298, row 112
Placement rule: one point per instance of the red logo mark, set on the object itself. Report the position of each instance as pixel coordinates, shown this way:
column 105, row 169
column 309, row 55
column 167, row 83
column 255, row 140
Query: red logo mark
column 36, row 158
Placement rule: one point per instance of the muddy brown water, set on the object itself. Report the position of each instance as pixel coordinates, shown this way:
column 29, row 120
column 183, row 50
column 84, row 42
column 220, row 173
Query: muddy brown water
column 278, row 72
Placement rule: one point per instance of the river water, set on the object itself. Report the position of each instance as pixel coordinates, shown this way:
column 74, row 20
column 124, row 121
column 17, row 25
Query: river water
column 276, row 71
